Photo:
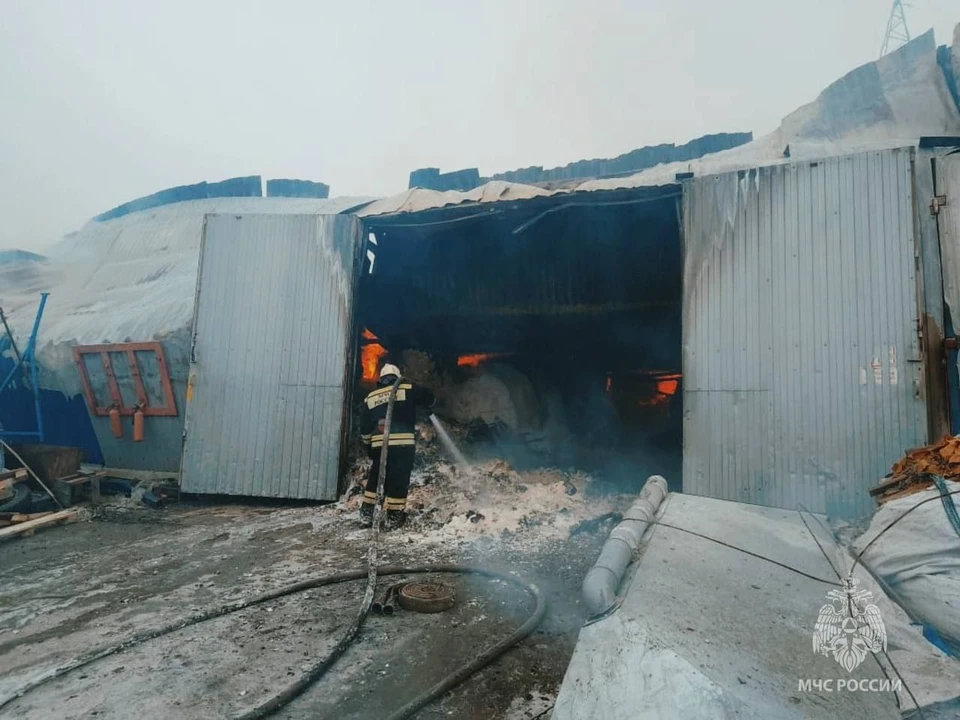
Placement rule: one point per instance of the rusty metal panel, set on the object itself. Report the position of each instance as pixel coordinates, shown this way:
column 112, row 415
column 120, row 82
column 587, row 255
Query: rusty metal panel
column 268, row 378
column 931, row 278
column 945, row 203
column 801, row 358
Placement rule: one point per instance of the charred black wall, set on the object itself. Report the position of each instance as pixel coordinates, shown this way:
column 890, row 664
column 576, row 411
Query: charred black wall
column 594, row 280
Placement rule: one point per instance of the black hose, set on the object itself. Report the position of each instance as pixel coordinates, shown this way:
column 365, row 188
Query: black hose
column 452, row 680
column 298, row 686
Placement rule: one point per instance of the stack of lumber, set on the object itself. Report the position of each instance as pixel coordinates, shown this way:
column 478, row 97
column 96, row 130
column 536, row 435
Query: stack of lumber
column 15, row 524
column 7, row 480
column 912, row 473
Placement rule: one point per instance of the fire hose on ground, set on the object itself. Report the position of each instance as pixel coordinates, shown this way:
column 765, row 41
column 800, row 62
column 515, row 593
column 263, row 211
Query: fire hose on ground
column 295, row 689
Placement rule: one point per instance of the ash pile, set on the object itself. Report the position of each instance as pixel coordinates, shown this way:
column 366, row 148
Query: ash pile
column 526, row 505
column 490, row 499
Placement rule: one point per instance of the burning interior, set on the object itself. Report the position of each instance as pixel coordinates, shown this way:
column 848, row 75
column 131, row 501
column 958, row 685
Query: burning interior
column 549, row 328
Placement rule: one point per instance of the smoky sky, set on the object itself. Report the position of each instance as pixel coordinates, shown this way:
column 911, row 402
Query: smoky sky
column 107, row 100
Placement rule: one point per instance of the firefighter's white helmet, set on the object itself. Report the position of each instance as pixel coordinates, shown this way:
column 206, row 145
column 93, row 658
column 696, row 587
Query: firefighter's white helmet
column 389, row 369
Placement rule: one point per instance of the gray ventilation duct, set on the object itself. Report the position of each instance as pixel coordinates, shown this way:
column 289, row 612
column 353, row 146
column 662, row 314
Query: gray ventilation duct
column 601, row 584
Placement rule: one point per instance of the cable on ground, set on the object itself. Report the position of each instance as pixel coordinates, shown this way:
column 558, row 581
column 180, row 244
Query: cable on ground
column 896, row 520
column 745, row 552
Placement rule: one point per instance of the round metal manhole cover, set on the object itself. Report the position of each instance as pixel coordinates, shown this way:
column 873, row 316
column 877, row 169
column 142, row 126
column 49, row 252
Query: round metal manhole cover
column 426, row 597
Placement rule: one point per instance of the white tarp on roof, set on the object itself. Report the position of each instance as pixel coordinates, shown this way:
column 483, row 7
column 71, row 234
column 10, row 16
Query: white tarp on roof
column 891, row 102
column 416, row 199
column 132, row 278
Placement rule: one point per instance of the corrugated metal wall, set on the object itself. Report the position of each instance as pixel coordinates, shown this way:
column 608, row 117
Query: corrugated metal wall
column 802, row 373
column 268, row 382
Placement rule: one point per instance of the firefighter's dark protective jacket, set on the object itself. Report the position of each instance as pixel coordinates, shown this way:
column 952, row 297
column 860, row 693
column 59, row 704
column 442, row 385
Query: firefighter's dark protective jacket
column 409, row 398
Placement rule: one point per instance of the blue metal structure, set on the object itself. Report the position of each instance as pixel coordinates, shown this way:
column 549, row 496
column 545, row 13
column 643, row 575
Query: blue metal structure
column 22, row 360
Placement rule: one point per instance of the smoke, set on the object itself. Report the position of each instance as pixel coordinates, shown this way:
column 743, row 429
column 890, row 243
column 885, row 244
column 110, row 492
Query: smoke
column 581, row 430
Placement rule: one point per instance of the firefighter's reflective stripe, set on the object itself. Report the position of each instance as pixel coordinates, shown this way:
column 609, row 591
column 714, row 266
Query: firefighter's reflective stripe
column 366, row 439
column 384, row 390
column 394, row 503
column 382, row 396
column 396, row 440
column 369, row 498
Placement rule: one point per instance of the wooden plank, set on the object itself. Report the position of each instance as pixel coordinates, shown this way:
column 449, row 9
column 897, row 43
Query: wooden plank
column 6, row 489
column 27, row 517
column 903, row 493
column 81, row 478
column 30, row 526
column 887, row 484
column 15, row 475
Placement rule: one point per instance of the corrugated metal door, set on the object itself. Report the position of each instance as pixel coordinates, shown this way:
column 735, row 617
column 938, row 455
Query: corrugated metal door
column 948, row 223
column 268, row 378
column 801, row 357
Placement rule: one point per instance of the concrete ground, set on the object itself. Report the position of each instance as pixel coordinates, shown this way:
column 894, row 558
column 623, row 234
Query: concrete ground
column 69, row 589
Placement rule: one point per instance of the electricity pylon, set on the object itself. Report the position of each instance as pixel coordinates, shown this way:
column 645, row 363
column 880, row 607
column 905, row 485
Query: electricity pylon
column 897, row 31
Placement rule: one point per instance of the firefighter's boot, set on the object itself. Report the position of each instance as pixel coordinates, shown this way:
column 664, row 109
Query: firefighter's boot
column 396, row 519
column 366, row 514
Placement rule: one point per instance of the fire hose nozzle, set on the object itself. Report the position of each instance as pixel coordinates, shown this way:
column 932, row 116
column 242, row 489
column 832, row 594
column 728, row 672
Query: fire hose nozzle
column 386, row 605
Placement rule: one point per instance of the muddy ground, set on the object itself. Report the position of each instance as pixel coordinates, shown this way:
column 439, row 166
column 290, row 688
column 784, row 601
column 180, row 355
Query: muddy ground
column 88, row 585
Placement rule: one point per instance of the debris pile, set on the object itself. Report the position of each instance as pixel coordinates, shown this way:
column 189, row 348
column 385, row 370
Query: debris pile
column 12, row 493
column 492, row 499
column 913, row 472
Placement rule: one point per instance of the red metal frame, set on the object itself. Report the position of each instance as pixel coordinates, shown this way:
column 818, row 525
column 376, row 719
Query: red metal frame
column 169, row 408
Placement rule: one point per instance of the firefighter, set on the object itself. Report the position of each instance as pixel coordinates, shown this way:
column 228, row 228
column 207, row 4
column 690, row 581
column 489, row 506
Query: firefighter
column 402, row 443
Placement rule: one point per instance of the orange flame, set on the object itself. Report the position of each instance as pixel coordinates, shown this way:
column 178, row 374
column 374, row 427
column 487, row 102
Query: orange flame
column 666, row 388
column 668, row 385
column 370, row 356
column 478, row 359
